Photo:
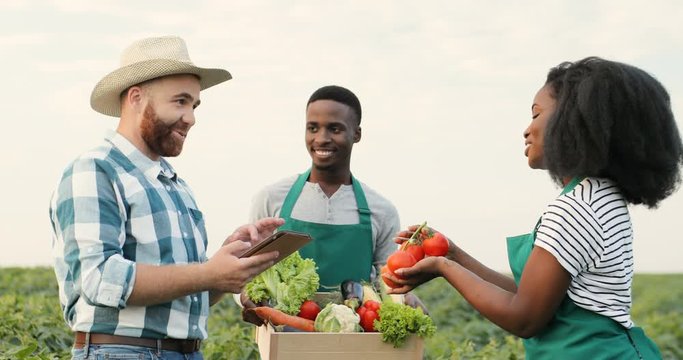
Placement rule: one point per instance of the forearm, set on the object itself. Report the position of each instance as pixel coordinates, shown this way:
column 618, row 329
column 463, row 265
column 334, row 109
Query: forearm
column 482, row 271
column 497, row 304
column 160, row 284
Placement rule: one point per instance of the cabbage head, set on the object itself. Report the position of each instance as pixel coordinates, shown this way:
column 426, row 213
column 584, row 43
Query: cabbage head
column 337, row 318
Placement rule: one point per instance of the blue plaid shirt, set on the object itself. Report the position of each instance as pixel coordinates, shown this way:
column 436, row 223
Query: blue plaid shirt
column 113, row 208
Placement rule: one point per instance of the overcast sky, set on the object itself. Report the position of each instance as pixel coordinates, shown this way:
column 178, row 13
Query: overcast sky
column 446, row 89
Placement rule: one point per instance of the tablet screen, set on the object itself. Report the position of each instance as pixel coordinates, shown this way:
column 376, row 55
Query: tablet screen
column 285, row 242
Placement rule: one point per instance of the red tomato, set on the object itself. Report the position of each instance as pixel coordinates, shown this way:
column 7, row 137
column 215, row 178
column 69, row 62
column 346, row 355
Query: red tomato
column 361, row 310
column 309, row 310
column 399, row 260
column 367, row 321
column 415, row 250
column 437, row 245
column 372, row 305
column 391, row 284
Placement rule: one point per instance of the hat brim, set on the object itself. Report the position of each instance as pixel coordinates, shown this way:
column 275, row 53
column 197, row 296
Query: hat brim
column 105, row 97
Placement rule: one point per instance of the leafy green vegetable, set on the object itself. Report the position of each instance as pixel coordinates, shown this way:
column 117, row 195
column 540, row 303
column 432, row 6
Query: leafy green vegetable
column 287, row 284
column 30, row 313
column 397, row 321
column 337, row 318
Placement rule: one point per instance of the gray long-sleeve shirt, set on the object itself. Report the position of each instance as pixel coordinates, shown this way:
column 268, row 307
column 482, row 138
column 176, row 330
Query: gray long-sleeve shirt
column 340, row 208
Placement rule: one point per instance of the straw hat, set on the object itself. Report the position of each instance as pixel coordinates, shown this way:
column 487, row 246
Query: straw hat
column 148, row 59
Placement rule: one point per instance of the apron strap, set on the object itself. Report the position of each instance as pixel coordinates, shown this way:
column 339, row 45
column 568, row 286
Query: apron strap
column 569, row 187
column 293, row 195
column 364, row 213
column 572, row 184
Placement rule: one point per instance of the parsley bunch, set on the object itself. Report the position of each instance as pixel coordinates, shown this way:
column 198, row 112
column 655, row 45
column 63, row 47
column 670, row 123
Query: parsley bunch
column 397, row 321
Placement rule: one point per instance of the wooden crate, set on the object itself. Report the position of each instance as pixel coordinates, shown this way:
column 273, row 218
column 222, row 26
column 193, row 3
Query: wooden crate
column 274, row 345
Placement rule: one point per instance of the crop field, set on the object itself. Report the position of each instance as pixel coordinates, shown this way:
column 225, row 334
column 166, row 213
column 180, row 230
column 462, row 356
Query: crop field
column 31, row 324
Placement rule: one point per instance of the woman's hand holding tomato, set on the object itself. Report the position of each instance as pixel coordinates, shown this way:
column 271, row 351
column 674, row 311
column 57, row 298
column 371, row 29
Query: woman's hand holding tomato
column 402, row 262
column 428, row 247
column 398, row 260
column 407, row 279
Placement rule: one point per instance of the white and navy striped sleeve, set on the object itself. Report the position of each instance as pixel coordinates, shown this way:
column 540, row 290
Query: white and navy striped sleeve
column 571, row 231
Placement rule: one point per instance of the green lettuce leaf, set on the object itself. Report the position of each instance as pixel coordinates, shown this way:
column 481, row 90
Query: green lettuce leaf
column 286, row 285
column 397, row 321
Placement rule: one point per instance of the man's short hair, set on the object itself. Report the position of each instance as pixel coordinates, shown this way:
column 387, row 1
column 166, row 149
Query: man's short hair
column 340, row 95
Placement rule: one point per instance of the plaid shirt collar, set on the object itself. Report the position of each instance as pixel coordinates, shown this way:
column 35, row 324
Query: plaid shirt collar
column 152, row 169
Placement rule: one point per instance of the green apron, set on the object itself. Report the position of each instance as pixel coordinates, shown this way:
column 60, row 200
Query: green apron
column 341, row 252
column 574, row 332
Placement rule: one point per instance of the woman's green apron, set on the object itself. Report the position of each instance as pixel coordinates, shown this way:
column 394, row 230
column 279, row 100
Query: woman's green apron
column 574, row 332
column 341, row 252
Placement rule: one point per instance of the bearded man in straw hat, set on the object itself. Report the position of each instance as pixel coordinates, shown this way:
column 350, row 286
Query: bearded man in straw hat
column 129, row 240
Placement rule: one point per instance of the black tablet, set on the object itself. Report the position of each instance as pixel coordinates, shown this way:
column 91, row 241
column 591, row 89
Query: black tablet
column 285, row 242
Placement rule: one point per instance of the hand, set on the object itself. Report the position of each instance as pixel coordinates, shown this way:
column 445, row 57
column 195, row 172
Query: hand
column 405, row 235
column 256, row 232
column 412, row 277
column 229, row 273
column 248, row 313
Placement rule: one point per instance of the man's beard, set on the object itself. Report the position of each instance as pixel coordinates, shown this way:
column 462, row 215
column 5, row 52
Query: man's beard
column 159, row 136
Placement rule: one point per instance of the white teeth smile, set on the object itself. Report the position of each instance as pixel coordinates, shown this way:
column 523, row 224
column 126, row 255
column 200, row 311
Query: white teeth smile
column 323, row 152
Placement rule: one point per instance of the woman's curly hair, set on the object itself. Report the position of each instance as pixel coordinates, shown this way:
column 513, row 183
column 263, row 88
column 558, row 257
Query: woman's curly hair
column 613, row 120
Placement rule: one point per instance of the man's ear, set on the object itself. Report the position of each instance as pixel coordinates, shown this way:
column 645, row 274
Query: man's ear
column 357, row 135
column 133, row 97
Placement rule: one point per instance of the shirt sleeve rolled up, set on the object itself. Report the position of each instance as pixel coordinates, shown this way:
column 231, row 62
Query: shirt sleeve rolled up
column 91, row 218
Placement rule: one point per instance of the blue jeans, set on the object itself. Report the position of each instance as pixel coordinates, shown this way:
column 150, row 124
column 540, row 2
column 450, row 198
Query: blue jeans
column 100, row 352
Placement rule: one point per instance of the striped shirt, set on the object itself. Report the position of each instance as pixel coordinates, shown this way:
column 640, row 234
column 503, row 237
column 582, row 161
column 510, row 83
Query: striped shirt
column 588, row 230
column 114, row 207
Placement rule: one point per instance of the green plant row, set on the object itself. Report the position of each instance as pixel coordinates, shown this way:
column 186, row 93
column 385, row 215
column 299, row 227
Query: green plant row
column 32, row 326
